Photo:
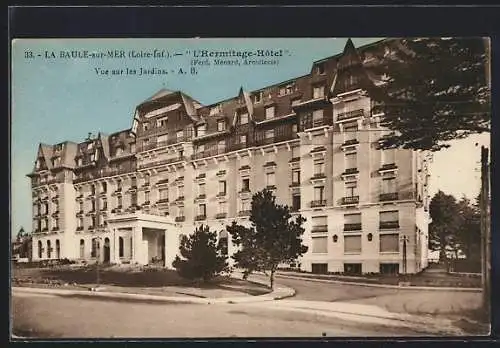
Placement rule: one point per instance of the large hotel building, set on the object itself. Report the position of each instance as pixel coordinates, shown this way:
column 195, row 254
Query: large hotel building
column 127, row 197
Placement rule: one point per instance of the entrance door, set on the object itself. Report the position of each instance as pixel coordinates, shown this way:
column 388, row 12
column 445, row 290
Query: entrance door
column 162, row 248
column 106, row 251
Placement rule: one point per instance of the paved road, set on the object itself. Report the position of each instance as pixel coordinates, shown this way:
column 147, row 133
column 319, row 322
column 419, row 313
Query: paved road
column 394, row 300
column 36, row 315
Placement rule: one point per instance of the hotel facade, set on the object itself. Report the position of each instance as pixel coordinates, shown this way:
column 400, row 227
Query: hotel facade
column 127, row 197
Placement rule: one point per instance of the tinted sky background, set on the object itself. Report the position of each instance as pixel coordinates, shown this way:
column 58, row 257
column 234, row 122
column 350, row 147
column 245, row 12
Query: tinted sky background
column 54, row 100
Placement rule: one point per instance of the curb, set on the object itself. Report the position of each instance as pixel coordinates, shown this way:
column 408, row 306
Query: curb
column 277, row 294
column 380, row 285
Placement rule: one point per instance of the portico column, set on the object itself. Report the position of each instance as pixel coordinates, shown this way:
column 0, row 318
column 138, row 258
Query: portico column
column 115, row 246
column 171, row 245
column 139, row 252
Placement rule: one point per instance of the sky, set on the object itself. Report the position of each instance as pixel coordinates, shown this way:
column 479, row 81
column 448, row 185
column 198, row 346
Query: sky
column 56, row 98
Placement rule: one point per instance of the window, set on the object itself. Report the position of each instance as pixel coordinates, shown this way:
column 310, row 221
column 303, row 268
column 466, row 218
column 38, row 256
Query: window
column 286, row 89
column 104, row 187
column 350, row 132
column 221, row 125
column 269, row 112
column 202, row 210
column 320, row 245
column 351, row 161
column 214, row 110
column 82, row 249
column 79, row 162
column 133, row 182
column 145, row 142
column 120, row 247
column 243, row 139
column 389, row 268
column 389, row 185
column 92, row 190
column 95, row 246
column 119, row 185
column 163, row 193
column 318, row 92
column 296, row 176
column 49, row 249
column 201, row 130
column 319, row 224
column 296, row 202
column 180, row 135
column 93, row 218
column 200, row 148
column 180, row 191
column 93, row 205
column 58, row 249
column 80, row 222
column 245, row 205
column 222, row 207
column 257, row 98
column 244, row 118
column 320, row 69
column 119, row 201
column 317, row 117
column 296, row 152
column 319, row 193
column 352, row 244
column 132, row 147
column 388, row 216
column 351, row 189
column 145, row 126
column 56, row 162
column 40, row 249
column 201, row 189
column 222, row 187
column 389, row 156
column 270, row 179
column 162, row 139
column 352, row 218
column 180, row 211
column 146, row 196
column 133, row 199
column 269, row 134
column 319, row 168
column 245, row 184
column 81, row 206
column 161, row 122
column 389, row 243
column 221, row 146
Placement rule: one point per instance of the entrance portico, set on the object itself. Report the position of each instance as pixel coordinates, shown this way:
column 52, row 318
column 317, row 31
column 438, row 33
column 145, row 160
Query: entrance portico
column 147, row 238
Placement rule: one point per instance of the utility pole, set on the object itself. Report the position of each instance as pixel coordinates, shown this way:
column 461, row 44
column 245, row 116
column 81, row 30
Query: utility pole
column 485, row 229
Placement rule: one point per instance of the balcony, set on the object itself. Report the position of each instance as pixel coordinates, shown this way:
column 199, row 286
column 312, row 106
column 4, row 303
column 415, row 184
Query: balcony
column 350, row 171
column 117, row 191
column 388, row 167
column 146, row 203
column 162, row 162
column 294, row 159
column 220, row 215
column 90, row 228
column 200, row 217
column 221, row 194
column 201, row 196
column 80, row 212
column 116, row 210
column 344, row 116
column 309, row 123
column 221, row 173
column 244, row 213
column 162, row 200
column 383, row 197
column 349, row 144
column 352, row 226
column 208, row 153
column 102, row 173
column 271, row 187
column 319, row 228
column 389, row 224
column 79, row 228
column 180, row 218
column 45, row 229
column 318, row 203
column 55, row 228
column 276, row 139
column 350, row 200
column 318, row 176
column 295, row 184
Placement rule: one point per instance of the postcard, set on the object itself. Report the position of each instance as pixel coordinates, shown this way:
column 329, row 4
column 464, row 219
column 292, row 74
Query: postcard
column 293, row 187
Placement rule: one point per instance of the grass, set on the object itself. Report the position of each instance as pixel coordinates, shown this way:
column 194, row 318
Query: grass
column 126, row 277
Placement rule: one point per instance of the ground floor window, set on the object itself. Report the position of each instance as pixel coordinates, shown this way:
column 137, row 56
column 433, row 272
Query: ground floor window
column 120, row 246
column 389, row 268
column 320, row 268
column 82, row 249
column 40, row 249
column 352, row 268
column 58, row 249
column 49, row 249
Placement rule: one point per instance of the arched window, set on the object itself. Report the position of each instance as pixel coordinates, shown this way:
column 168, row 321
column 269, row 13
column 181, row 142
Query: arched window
column 82, row 248
column 58, row 249
column 120, row 246
column 95, row 245
column 49, row 249
column 40, row 249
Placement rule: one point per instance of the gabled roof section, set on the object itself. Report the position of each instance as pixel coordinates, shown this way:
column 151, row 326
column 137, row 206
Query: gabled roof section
column 245, row 97
column 160, row 94
column 190, row 107
column 69, row 153
column 46, row 151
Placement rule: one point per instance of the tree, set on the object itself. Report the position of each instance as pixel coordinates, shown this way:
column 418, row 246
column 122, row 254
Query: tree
column 469, row 230
column 20, row 234
column 273, row 238
column 202, row 257
column 443, row 229
column 434, row 90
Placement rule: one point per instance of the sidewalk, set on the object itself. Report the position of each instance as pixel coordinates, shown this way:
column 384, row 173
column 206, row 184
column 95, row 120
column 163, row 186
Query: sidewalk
column 278, row 293
column 327, row 279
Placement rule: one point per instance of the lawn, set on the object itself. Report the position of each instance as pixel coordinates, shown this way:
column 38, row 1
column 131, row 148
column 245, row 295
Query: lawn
column 132, row 280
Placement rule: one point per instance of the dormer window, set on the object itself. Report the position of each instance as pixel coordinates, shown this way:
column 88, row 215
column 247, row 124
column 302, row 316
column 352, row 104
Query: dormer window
column 286, row 89
column 244, row 118
column 180, row 134
column 214, row 110
column 145, row 126
column 161, row 122
column 221, row 125
column 269, row 112
column 56, row 161
column 320, row 69
column 318, row 92
column 257, row 98
column 119, row 151
column 200, row 130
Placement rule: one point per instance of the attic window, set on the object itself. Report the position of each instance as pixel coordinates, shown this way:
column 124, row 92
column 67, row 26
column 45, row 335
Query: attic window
column 320, row 69
column 161, row 122
column 214, row 110
column 257, row 98
column 221, row 125
column 286, row 89
column 244, row 118
column 200, row 130
column 119, row 151
column 145, row 126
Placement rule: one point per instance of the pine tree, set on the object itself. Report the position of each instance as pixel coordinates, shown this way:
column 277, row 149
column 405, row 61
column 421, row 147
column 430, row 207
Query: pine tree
column 434, row 90
column 274, row 237
column 202, row 256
